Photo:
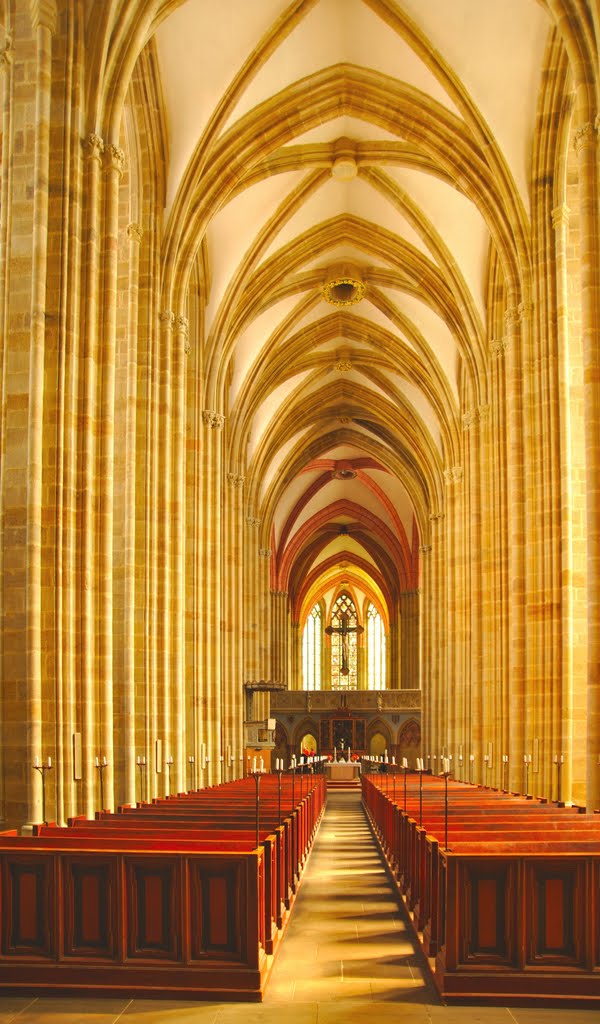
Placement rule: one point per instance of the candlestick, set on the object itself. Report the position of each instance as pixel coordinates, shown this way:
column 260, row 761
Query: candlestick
column 101, row 764
column 42, row 769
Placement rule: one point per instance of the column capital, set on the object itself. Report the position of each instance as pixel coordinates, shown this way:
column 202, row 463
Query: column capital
column 183, row 325
column 135, row 232
column 585, row 136
column 44, row 14
column 265, row 552
column 436, row 517
column 425, row 549
column 512, row 316
column 453, row 474
column 469, row 418
column 253, row 521
column 234, row 480
column 167, row 319
column 498, row 347
column 560, row 216
column 114, row 159
column 93, row 145
column 214, row 420
column 279, row 593
column 7, row 54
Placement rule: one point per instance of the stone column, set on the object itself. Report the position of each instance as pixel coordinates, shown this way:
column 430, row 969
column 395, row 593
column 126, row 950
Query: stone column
column 113, row 162
column 164, row 603
column 279, row 643
column 250, row 599
column 410, row 624
column 43, row 16
column 211, row 572
column 564, row 737
column 586, row 147
column 426, row 644
column 233, row 588
column 87, row 669
column 175, row 741
column 127, row 761
column 455, row 683
column 518, row 726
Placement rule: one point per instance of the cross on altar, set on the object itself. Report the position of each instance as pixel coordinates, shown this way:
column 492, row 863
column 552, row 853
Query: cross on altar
column 344, row 631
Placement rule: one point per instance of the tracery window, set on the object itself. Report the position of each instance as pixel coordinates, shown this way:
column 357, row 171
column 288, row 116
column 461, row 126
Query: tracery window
column 312, row 639
column 344, row 631
column 376, row 679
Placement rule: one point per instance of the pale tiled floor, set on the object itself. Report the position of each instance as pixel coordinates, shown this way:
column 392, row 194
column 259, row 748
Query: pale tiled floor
column 347, row 958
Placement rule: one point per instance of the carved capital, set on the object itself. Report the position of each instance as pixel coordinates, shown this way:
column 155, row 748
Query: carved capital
column 525, row 311
column 114, row 158
column 436, row 517
column 425, row 549
column 560, row 216
column 585, row 136
column 214, row 420
column 498, row 347
column 44, row 14
column 253, row 521
column 94, row 147
column 279, row 593
column 469, row 418
column 265, row 552
column 167, row 320
column 453, row 475
column 235, row 481
column 135, row 233
column 7, row 54
column 183, row 326
column 512, row 316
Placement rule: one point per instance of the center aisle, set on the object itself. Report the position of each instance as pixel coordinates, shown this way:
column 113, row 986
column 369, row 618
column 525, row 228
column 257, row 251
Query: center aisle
column 346, row 939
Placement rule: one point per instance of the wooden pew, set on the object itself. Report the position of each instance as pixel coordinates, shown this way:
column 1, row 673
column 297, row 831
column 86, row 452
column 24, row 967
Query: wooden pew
column 165, row 905
column 505, row 914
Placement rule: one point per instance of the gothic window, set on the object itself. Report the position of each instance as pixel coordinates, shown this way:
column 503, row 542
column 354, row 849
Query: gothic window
column 375, row 650
column 311, row 649
column 344, row 631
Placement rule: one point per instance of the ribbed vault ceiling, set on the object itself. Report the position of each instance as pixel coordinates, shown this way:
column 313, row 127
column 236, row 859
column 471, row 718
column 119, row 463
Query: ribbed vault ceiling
column 384, row 142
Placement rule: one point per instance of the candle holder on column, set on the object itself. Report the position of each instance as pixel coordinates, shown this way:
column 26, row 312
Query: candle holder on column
column 471, row 768
column 505, row 772
column 559, row 761
column 420, row 770
column 191, row 769
column 42, row 769
column 168, row 764
column 101, row 764
column 405, row 770
column 141, row 764
column 526, row 766
column 446, row 775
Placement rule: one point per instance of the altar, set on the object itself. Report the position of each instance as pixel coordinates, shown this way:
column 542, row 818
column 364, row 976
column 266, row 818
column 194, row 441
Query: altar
column 341, row 771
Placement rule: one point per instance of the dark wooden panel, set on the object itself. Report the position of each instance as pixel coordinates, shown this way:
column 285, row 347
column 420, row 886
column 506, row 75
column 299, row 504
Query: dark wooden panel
column 555, row 912
column 27, row 917
column 153, row 902
column 488, row 914
column 89, row 892
column 216, row 899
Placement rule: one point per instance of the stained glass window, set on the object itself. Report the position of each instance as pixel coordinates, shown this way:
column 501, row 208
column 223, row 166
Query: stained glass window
column 311, row 649
column 375, row 649
column 344, row 644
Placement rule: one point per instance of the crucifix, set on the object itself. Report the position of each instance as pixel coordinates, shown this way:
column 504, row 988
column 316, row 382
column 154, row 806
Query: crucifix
column 344, row 631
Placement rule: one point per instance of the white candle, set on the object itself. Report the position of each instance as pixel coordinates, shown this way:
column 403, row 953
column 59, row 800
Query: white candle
column 144, row 759
column 138, row 760
column 104, row 761
column 261, row 765
column 97, row 762
column 404, row 762
column 253, row 764
column 393, row 760
column 37, row 762
column 49, row 762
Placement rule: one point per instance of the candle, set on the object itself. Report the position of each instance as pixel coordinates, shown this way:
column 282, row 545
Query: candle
column 49, row 762
column 143, row 759
column 104, row 761
column 37, row 762
column 139, row 761
column 404, row 763
column 261, row 765
column 97, row 762
column 253, row 764
column 471, row 758
column 393, row 760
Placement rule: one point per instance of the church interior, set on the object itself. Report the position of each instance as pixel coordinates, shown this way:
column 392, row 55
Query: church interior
column 300, row 393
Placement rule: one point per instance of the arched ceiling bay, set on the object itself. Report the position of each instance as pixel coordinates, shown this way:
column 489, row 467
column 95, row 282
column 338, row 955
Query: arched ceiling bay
column 380, row 143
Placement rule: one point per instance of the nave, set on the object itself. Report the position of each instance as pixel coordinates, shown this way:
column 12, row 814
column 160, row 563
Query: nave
column 347, row 956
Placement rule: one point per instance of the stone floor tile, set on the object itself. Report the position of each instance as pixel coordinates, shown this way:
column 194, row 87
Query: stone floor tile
column 71, row 1010
column 10, row 1006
